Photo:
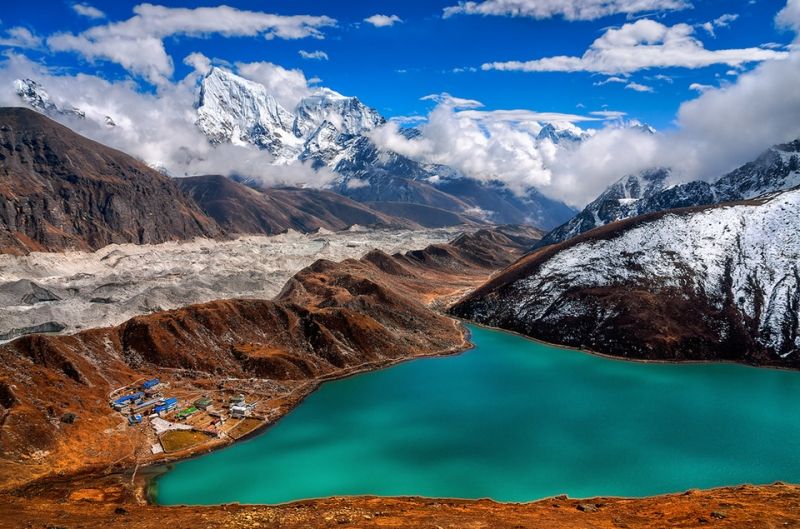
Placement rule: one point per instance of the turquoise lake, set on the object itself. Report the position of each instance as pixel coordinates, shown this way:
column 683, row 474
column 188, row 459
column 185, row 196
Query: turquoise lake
column 513, row 420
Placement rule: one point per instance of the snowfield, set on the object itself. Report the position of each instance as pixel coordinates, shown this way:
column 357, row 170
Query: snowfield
column 77, row 290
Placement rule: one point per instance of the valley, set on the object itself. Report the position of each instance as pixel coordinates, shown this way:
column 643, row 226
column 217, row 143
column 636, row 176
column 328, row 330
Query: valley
column 70, row 291
column 465, row 265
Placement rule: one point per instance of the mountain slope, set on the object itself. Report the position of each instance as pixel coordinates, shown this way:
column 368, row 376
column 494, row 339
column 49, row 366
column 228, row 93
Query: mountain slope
column 242, row 209
column 331, row 319
column 776, row 169
column 719, row 282
column 60, row 190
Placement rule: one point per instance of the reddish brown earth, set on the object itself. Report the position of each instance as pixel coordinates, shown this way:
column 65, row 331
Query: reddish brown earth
column 106, row 503
column 60, row 190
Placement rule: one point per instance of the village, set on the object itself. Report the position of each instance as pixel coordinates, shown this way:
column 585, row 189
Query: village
column 176, row 420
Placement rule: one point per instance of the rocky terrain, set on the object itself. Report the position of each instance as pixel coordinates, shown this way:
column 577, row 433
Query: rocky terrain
column 69, row 291
column 713, row 283
column 109, row 504
column 60, row 190
column 776, row 169
column 330, row 319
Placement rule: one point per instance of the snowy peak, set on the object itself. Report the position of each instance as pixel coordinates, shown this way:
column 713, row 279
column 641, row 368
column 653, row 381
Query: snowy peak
column 347, row 114
column 37, row 97
column 232, row 109
column 559, row 134
column 776, row 169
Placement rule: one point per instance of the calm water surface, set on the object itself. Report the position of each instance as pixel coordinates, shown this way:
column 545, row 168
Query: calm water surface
column 513, row 420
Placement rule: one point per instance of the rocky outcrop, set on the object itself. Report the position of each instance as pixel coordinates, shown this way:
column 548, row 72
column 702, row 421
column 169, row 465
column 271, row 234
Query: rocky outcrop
column 59, row 190
column 714, row 283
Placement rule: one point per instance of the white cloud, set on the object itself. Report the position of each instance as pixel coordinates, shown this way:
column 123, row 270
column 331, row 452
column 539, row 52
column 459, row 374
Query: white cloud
column 446, row 99
column 569, row 9
column 157, row 128
column 522, row 116
column 612, row 79
column 715, row 133
column 137, row 43
column 409, row 120
column 88, row 11
column 318, row 55
column 485, row 145
column 789, row 16
column 199, row 62
column 640, row 45
column 719, row 22
column 609, row 114
column 288, row 87
column 637, row 87
column 383, row 21
column 698, row 87
column 20, row 37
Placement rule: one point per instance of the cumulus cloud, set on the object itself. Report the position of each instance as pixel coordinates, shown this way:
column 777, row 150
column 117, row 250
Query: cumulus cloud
column 485, row 145
column 287, row 86
column 158, row 128
column 568, row 9
column 21, row 37
column 383, row 21
column 789, row 16
column 199, row 62
column 318, row 55
column 88, row 11
column 640, row 45
column 137, row 43
column 699, row 87
column 612, row 79
column 715, row 133
column 719, row 130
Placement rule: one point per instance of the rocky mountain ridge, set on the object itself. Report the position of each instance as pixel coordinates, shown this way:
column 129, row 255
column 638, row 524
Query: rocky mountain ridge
column 60, row 190
column 709, row 283
column 777, row 169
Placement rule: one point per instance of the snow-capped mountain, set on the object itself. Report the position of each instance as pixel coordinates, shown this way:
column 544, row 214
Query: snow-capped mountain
column 776, row 169
column 36, row 96
column 329, row 130
column 232, row 109
column 722, row 282
column 562, row 132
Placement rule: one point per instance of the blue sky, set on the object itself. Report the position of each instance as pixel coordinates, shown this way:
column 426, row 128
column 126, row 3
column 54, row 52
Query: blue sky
column 391, row 67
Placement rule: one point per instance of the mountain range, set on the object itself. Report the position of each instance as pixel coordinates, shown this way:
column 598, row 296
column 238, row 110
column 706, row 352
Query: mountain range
column 329, row 130
column 777, row 169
